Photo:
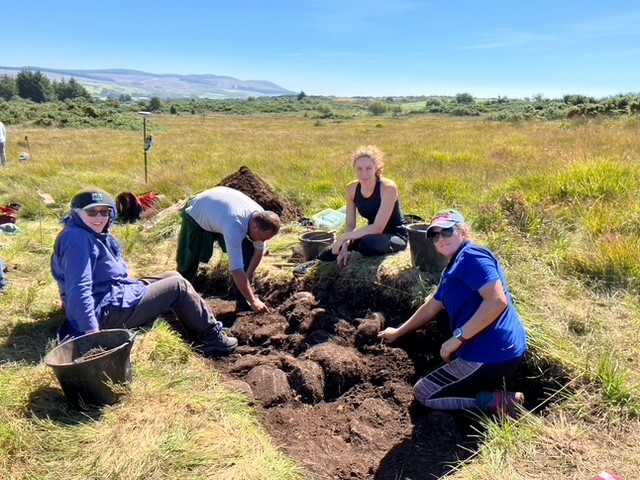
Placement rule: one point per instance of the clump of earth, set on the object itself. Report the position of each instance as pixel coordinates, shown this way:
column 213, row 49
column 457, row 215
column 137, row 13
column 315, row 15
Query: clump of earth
column 262, row 193
column 332, row 396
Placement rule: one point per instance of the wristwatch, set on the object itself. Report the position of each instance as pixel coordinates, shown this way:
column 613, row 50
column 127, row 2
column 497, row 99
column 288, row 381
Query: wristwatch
column 457, row 333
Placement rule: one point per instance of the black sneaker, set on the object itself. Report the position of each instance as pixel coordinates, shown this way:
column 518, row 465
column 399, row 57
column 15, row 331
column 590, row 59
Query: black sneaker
column 304, row 268
column 217, row 343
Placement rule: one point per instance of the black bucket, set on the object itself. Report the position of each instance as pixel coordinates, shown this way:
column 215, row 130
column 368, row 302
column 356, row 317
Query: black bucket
column 423, row 252
column 88, row 366
column 314, row 242
column 411, row 218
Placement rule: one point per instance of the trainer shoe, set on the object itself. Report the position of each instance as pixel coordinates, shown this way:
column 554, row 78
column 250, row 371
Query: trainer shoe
column 304, row 268
column 217, row 343
column 500, row 403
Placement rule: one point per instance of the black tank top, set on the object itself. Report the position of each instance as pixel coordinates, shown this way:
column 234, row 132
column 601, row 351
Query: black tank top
column 368, row 207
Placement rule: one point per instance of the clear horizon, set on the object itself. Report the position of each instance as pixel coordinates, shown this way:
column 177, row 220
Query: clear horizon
column 344, row 49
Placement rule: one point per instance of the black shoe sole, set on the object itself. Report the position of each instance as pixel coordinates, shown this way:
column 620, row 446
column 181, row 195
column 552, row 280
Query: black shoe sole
column 218, row 352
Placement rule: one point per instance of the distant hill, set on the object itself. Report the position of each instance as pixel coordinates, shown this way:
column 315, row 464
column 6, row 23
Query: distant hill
column 112, row 83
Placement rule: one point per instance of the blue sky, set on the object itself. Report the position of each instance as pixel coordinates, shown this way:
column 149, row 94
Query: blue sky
column 344, row 47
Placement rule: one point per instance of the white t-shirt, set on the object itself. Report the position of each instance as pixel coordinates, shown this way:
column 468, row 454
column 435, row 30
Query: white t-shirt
column 227, row 211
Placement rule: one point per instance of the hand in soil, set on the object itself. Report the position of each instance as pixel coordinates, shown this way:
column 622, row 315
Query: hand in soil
column 259, row 306
column 388, row 335
column 343, row 258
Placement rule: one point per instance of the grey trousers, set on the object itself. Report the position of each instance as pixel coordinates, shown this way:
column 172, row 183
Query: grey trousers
column 166, row 291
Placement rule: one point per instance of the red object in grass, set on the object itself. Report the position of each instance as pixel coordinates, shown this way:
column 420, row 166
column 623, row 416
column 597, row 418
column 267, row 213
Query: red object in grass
column 8, row 215
column 148, row 200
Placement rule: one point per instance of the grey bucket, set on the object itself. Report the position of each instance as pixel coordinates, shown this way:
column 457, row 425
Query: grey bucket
column 314, row 242
column 423, row 252
column 88, row 381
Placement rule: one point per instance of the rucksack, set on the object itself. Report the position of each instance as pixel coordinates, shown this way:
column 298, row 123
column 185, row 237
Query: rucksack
column 129, row 207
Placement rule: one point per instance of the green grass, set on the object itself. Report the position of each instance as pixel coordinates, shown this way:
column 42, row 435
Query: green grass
column 556, row 201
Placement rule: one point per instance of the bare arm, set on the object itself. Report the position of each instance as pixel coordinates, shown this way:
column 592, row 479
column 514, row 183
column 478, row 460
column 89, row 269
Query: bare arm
column 494, row 302
column 256, row 258
column 340, row 245
column 427, row 312
column 389, row 196
column 243, row 282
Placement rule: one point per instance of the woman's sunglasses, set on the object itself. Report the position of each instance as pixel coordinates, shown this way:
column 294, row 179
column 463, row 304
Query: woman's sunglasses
column 444, row 233
column 94, row 212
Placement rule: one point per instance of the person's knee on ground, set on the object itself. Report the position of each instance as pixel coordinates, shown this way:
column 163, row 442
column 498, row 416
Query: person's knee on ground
column 423, row 390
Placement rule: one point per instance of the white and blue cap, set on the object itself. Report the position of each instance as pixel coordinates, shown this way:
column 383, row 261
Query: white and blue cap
column 92, row 198
column 446, row 219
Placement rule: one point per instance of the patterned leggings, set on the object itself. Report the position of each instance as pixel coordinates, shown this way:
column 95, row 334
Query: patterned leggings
column 453, row 386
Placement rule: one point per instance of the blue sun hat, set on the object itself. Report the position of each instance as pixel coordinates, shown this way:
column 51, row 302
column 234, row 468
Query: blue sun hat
column 446, row 219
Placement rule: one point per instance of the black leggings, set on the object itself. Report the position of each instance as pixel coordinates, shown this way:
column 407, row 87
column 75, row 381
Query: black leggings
column 380, row 244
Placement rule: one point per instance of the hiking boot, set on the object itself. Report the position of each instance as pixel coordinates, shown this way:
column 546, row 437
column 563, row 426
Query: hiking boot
column 500, row 403
column 217, row 343
column 304, row 268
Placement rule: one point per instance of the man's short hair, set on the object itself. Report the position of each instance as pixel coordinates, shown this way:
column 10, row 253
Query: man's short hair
column 267, row 221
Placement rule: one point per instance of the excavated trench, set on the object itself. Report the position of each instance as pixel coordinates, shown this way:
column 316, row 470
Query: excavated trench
column 338, row 400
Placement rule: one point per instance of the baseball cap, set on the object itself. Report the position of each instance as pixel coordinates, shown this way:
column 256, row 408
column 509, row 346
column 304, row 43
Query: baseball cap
column 92, row 198
column 447, row 219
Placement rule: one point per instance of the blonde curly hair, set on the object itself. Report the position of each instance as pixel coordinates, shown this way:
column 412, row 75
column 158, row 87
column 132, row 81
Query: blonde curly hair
column 376, row 156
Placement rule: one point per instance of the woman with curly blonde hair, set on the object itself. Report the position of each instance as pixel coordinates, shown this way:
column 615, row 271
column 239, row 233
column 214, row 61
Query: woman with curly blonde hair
column 376, row 199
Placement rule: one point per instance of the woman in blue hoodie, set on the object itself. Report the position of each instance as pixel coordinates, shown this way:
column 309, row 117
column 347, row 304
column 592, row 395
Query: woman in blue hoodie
column 98, row 293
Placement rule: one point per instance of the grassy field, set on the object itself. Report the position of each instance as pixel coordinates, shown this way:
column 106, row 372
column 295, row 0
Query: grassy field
column 557, row 202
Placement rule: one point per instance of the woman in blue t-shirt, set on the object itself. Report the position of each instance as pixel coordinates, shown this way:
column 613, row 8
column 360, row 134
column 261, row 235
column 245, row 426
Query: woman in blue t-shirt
column 376, row 199
column 488, row 340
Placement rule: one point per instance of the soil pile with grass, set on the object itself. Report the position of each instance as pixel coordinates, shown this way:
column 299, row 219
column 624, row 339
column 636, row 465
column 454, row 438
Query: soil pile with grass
column 258, row 190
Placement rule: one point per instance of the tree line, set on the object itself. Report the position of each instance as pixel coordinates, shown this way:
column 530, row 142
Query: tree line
column 33, row 98
column 38, row 88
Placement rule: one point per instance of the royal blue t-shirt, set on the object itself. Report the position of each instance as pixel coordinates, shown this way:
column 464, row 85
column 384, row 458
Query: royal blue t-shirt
column 473, row 268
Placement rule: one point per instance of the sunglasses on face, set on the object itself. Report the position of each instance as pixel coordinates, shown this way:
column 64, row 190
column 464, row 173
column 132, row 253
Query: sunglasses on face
column 102, row 212
column 444, row 233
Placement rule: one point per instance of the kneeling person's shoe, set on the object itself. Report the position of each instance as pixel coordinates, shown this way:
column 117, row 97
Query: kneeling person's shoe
column 304, row 268
column 217, row 345
column 501, row 403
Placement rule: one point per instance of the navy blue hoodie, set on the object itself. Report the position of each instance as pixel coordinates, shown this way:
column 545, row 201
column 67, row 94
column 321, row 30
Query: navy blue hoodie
column 92, row 276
